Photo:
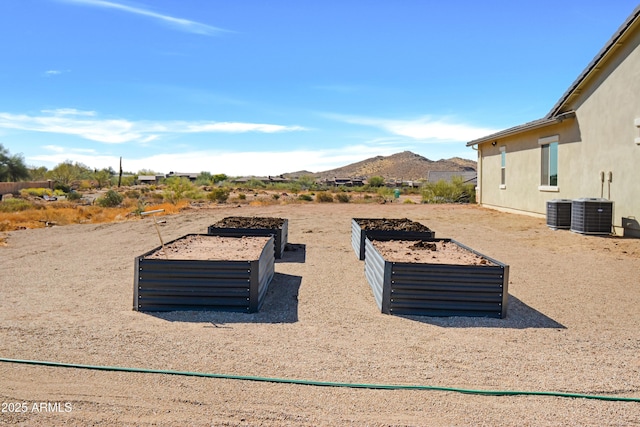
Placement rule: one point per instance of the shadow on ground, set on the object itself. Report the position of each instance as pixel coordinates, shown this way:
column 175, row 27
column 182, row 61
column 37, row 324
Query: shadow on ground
column 280, row 306
column 519, row 316
column 294, row 252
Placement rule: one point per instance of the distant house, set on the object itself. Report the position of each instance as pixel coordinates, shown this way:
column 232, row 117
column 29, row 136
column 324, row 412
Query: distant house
column 588, row 145
column 344, row 182
column 191, row 176
column 149, row 179
column 447, row 176
column 264, row 179
column 394, row 183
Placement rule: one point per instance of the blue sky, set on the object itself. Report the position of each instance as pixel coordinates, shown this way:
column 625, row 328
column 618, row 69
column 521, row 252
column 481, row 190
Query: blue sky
column 267, row 87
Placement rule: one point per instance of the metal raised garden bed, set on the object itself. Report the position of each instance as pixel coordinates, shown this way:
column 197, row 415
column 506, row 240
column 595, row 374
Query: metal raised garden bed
column 430, row 289
column 195, row 284
column 238, row 226
column 371, row 227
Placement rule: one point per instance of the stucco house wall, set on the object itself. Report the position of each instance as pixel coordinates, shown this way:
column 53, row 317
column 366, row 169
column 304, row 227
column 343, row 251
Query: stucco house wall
column 597, row 128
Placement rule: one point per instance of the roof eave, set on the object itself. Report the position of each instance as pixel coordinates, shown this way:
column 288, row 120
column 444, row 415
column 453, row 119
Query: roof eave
column 536, row 124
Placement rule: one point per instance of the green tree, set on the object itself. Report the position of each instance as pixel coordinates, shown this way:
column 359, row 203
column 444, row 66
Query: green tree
column 219, row 177
column 67, row 172
column 306, row 182
column 102, row 177
column 204, row 178
column 12, row 168
column 38, row 173
column 376, row 181
column 147, row 172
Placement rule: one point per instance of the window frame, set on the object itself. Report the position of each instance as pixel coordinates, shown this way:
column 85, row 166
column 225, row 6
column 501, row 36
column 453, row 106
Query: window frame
column 549, row 163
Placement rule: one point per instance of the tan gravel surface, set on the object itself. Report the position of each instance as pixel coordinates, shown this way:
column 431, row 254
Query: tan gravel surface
column 211, row 248
column 438, row 252
column 573, row 325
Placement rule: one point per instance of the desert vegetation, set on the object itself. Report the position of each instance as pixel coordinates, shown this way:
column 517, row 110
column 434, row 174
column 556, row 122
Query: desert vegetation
column 456, row 191
column 79, row 194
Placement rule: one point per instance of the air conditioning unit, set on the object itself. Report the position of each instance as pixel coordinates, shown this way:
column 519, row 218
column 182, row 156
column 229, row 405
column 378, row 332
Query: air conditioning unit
column 559, row 213
column 591, row 216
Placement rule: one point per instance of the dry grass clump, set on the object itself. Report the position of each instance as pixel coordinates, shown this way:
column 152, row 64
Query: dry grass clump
column 64, row 213
column 264, row 202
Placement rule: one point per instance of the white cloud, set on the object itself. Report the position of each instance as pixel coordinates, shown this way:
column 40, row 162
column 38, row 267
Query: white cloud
column 235, row 127
column 424, row 129
column 54, row 148
column 69, row 112
column 87, row 125
column 50, row 73
column 179, row 23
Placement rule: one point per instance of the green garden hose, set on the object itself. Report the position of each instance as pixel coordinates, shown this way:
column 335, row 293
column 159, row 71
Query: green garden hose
column 321, row 383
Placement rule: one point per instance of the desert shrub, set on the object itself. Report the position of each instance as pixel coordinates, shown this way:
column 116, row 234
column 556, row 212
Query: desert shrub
column 111, row 199
column 409, row 202
column 140, row 207
column 132, row 194
column 256, row 183
column 204, row 178
column 60, row 186
column 15, row 205
column 177, row 189
column 126, row 181
column 275, row 196
column 343, row 197
column 156, row 197
column 385, row 194
column 73, row 196
column 219, row 194
column 242, row 196
column 35, row 192
column 84, row 184
column 324, row 197
column 305, row 197
column 456, row 191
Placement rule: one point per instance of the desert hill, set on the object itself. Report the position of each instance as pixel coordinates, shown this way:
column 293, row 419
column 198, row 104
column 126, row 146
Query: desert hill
column 402, row 166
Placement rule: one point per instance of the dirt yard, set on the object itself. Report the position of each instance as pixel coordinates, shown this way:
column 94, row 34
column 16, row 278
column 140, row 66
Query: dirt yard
column 572, row 326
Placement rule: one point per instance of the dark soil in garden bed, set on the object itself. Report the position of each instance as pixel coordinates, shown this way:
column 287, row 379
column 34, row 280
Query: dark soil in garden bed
column 249, row 222
column 384, row 224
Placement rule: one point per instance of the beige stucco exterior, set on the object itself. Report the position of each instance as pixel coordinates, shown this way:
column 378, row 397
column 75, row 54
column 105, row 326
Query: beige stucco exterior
column 602, row 136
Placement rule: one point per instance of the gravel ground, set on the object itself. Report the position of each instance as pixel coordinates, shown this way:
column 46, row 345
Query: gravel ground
column 572, row 325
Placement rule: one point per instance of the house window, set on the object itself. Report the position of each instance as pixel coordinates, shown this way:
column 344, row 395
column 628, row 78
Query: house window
column 549, row 163
column 503, row 167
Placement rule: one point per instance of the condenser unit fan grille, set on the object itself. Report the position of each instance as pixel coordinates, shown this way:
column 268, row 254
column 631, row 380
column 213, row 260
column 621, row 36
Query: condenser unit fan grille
column 559, row 213
column 591, row 216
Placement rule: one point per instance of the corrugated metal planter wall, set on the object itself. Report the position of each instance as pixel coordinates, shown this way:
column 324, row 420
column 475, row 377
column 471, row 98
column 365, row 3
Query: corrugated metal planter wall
column 174, row 284
column 281, row 234
column 358, row 236
column 426, row 289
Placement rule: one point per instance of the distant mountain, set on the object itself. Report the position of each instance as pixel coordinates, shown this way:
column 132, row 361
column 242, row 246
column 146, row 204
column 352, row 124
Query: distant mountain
column 406, row 166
